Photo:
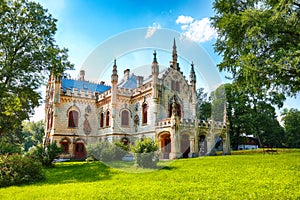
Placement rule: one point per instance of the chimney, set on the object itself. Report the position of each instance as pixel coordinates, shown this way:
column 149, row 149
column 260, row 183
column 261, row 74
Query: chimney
column 81, row 76
column 139, row 80
column 126, row 74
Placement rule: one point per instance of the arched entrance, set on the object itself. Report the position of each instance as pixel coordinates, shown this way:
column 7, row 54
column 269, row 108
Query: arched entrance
column 219, row 144
column 185, row 146
column 202, row 145
column 125, row 141
column 79, row 149
column 165, row 145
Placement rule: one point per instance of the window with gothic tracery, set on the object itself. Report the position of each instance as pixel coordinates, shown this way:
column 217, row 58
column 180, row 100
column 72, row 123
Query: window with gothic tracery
column 73, row 119
column 107, row 118
column 145, row 108
column 101, row 120
column 125, row 118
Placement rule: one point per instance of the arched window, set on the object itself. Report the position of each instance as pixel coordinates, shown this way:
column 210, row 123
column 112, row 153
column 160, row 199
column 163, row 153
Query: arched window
column 145, row 108
column 101, row 120
column 125, row 118
column 73, row 119
column 107, row 118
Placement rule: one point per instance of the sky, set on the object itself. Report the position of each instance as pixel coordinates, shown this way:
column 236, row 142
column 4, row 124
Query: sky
column 88, row 27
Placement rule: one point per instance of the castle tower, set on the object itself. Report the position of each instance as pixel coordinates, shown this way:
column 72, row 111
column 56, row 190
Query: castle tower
column 52, row 98
column 193, row 89
column 114, row 85
column 155, row 72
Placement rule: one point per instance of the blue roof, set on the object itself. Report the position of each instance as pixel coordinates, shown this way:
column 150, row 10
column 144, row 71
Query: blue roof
column 130, row 83
column 83, row 85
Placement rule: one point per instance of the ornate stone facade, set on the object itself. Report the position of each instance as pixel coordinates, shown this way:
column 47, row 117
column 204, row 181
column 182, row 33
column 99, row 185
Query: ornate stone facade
column 162, row 107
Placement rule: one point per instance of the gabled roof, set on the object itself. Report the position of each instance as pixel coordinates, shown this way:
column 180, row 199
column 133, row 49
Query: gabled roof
column 83, row 85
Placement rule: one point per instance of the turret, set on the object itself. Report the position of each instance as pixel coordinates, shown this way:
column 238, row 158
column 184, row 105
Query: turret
column 114, row 88
column 114, row 75
column 174, row 63
column 193, row 77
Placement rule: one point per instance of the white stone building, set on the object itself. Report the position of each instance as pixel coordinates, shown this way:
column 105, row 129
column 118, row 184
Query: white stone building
column 162, row 107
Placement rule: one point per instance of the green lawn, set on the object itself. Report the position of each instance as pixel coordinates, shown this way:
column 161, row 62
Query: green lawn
column 255, row 176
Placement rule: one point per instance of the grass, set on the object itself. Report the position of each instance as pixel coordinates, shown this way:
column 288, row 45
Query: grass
column 251, row 176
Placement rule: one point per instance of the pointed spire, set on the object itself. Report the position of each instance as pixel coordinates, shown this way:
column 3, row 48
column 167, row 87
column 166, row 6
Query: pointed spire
column 154, row 58
column 114, row 76
column 192, row 74
column 174, row 55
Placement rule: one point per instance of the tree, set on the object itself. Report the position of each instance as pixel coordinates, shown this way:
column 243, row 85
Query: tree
column 259, row 41
column 33, row 133
column 291, row 120
column 248, row 116
column 203, row 105
column 28, row 55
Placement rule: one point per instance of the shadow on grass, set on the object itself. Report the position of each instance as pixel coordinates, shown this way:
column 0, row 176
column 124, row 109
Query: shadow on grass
column 72, row 172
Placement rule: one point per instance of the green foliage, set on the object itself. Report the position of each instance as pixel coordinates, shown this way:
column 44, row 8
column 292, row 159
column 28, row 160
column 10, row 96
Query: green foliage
column 28, row 54
column 145, row 153
column 46, row 155
column 6, row 147
column 257, row 176
column 16, row 169
column 33, row 133
column 203, row 105
column 106, row 151
column 291, row 120
column 251, row 116
column 260, row 41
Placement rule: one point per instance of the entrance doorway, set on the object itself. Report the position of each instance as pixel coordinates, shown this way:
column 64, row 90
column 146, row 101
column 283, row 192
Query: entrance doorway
column 202, row 145
column 165, row 145
column 185, row 146
column 79, row 150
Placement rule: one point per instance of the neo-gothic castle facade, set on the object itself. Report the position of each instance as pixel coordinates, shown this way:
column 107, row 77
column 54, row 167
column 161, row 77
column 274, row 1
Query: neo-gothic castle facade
column 161, row 106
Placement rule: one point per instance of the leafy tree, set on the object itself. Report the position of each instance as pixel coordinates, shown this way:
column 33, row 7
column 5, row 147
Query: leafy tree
column 218, row 98
column 203, row 105
column 247, row 116
column 33, row 133
column 260, row 41
column 28, row 54
column 291, row 120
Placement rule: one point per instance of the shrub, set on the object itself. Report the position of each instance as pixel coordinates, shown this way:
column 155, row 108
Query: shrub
column 145, row 153
column 46, row 155
column 106, row 151
column 16, row 169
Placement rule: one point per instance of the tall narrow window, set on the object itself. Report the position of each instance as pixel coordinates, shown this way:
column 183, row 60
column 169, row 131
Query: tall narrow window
column 177, row 86
column 101, row 120
column 107, row 118
column 65, row 145
column 145, row 107
column 73, row 119
column 125, row 118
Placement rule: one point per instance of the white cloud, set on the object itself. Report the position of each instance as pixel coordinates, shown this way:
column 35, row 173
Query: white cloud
column 198, row 30
column 151, row 29
column 184, row 19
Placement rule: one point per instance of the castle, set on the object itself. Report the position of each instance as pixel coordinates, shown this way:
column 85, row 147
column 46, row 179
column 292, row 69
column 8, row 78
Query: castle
column 161, row 106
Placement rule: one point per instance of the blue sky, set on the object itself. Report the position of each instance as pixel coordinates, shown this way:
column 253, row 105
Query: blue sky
column 83, row 25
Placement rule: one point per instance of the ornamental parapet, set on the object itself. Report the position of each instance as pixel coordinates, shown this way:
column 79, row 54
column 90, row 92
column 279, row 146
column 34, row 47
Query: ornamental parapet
column 75, row 92
column 212, row 124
